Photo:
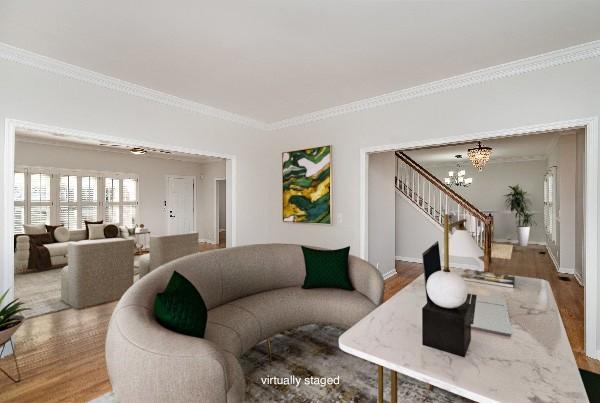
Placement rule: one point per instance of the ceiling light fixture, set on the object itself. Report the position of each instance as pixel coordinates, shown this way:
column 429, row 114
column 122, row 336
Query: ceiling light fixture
column 479, row 155
column 138, row 151
column 457, row 178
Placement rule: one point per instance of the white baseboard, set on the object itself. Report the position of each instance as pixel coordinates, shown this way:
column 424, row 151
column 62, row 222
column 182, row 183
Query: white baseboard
column 579, row 279
column 452, row 265
column 552, row 258
column 389, row 274
column 566, row 270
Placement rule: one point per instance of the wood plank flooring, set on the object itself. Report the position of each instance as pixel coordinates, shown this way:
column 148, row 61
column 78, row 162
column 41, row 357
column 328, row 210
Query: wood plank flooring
column 61, row 355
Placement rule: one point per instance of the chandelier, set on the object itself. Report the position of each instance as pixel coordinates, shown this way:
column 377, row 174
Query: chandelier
column 479, row 155
column 457, row 178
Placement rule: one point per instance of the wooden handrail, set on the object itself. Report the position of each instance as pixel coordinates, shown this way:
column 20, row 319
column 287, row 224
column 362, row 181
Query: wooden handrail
column 461, row 201
column 445, row 189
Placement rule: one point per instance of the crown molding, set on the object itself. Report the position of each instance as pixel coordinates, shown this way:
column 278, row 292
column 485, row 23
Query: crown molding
column 27, row 58
column 539, row 62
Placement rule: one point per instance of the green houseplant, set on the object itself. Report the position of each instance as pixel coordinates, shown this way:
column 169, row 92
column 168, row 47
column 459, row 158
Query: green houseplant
column 10, row 318
column 517, row 202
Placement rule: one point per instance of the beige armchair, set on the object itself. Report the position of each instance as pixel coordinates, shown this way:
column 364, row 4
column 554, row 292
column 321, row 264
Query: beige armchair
column 166, row 248
column 99, row 271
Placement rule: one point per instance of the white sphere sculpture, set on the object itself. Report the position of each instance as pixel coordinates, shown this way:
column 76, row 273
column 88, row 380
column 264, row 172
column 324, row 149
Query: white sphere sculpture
column 446, row 289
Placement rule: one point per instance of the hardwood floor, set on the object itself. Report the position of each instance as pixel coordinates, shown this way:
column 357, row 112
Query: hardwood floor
column 61, row 355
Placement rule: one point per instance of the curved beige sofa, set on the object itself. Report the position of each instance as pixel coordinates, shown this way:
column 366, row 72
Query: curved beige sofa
column 252, row 293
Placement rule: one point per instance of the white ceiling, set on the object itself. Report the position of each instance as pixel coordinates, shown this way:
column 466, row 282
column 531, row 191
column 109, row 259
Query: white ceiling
column 274, row 59
column 510, row 149
column 31, row 136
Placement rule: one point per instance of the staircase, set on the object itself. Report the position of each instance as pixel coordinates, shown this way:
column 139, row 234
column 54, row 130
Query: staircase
column 434, row 199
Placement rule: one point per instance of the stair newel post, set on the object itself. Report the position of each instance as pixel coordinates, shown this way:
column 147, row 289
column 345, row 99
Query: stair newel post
column 487, row 242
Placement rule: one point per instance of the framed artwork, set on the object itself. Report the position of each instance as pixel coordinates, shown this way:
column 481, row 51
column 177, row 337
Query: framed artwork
column 307, row 185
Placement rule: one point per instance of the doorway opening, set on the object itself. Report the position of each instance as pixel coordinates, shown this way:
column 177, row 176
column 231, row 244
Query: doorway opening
column 62, row 177
column 585, row 210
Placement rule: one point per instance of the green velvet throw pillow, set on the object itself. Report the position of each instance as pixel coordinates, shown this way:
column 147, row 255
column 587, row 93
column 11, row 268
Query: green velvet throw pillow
column 326, row 268
column 180, row 307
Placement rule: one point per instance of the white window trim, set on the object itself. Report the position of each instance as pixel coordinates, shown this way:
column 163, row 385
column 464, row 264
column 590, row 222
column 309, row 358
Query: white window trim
column 55, row 203
column 550, row 216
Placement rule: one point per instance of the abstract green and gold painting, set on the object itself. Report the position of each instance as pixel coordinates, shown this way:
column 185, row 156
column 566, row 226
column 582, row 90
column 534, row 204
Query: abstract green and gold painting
column 306, row 185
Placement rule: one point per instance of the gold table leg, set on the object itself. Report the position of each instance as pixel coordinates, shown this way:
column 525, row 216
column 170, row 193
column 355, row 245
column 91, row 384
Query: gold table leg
column 269, row 348
column 394, row 388
column 380, row 384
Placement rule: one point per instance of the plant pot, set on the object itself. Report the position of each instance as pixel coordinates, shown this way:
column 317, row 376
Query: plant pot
column 523, row 235
column 6, row 334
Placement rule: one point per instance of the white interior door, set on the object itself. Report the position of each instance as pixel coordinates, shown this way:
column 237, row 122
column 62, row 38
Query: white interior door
column 180, row 204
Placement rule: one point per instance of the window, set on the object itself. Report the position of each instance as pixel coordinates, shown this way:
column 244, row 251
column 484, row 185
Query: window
column 39, row 199
column 46, row 196
column 88, row 199
column 129, row 202
column 112, row 190
column 68, row 207
column 549, row 207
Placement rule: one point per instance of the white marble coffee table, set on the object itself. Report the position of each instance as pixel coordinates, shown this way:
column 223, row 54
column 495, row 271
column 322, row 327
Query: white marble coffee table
column 535, row 364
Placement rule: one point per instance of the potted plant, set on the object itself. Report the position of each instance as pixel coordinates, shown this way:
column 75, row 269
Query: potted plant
column 517, row 201
column 10, row 320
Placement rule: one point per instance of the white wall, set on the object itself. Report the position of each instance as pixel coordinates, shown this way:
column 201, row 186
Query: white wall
column 151, row 172
column 381, row 203
column 533, row 98
column 564, row 158
column 489, row 187
column 207, row 198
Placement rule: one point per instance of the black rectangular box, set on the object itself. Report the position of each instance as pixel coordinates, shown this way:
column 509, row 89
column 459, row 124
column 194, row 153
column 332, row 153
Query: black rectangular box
column 449, row 329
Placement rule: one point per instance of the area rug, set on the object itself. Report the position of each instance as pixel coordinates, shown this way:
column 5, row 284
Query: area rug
column 311, row 353
column 40, row 292
column 501, row 251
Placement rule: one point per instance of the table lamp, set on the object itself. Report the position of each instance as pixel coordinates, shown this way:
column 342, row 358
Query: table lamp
column 446, row 289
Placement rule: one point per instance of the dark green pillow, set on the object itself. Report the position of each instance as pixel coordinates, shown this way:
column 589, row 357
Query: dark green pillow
column 326, row 268
column 180, row 307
